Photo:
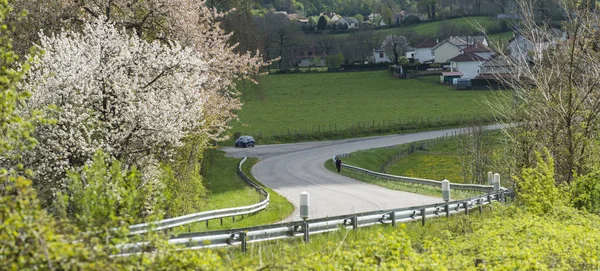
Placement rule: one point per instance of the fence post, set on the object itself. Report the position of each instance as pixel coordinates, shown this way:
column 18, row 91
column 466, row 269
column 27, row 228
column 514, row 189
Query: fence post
column 447, row 209
column 423, row 217
column 306, row 232
column 244, row 242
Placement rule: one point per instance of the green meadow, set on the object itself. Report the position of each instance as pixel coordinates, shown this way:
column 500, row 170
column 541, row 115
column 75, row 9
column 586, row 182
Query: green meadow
column 327, row 101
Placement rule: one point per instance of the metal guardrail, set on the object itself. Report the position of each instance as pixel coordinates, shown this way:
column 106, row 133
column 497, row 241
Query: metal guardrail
column 243, row 236
column 208, row 215
column 457, row 186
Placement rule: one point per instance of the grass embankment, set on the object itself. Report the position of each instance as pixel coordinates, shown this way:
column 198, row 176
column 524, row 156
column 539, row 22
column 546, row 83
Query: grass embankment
column 321, row 106
column 228, row 190
column 401, row 186
column 502, row 238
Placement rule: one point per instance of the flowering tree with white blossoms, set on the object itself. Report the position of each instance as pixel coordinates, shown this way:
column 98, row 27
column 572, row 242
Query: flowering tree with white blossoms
column 135, row 100
column 190, row 22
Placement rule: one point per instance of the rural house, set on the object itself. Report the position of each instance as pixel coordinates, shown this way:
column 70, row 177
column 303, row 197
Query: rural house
column 467, row 63
column 306, row 56
column 521, row 45
column 347, row 23
column 380, row 56
column 479, row 49
column 447, row 49
column 422, row 52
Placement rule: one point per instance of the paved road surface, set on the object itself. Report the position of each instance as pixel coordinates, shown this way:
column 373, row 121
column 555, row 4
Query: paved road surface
column 290, row 169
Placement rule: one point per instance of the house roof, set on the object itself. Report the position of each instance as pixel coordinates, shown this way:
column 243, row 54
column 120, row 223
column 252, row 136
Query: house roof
column 452, row 40
column 473, row 39
column 478, row 47
column 452, row 74
column 295, row 16
column 497, row 62
column 493, row 76
column 467, row 57
column 428, row 43
column 350, row 20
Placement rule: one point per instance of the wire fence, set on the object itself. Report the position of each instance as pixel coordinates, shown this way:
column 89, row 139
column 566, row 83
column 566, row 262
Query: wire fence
column 363, row 128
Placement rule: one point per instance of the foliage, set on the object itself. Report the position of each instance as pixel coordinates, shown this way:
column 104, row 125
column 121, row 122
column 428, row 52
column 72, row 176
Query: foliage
column 555, row 96
column 105, row 194
column 184, row 191
column 322, row 23
column 359, row 17
column 586, row 192
column 15, row 130
column 395, row 46
column 503, row 238
column 133, row 99
column 536, row 187
column 334, row 60
column 30, row 238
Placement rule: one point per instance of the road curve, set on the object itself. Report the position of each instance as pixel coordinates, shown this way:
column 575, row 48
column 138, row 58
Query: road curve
column 290, row 169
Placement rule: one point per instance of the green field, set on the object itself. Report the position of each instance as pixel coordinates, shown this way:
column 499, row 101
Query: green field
column 432, row 28
column 338, row 100
column 228, row 190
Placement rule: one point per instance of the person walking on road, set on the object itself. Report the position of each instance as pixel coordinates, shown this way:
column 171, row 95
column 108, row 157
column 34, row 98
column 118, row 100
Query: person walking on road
column 338, row 163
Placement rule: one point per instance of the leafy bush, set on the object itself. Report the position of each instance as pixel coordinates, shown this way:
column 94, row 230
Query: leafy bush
column 585, row 192
column 536, row 187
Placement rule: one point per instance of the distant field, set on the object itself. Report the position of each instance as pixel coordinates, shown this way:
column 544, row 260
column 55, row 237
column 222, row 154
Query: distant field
column 309, row 101
column 431, row 28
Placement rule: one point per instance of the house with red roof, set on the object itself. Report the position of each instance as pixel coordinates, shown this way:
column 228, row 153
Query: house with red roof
column 467, row 63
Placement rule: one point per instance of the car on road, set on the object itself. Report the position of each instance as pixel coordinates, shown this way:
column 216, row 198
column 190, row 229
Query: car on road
column 244, row 141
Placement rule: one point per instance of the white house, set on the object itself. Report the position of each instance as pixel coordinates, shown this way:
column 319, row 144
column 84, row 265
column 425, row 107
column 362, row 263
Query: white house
column 467, row 63
column 521, row 46
column 347, row 22
column 306, row 56
column 447, row 49
column 380, row 56
column 422, row 51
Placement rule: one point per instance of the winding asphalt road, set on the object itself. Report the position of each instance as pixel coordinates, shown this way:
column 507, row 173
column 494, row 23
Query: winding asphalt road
column 290, row 169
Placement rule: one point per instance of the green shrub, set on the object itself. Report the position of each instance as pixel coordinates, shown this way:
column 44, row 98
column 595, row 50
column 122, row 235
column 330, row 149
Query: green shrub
column 585, row 192
column 537, row 189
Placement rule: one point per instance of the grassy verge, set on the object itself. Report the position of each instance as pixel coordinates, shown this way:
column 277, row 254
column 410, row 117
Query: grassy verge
column 294, row 107
column 502, row 238
column 228, row 190
column 401, row 186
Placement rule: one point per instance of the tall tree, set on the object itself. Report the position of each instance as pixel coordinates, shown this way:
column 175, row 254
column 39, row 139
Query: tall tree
column 322, row 24
column 395, row 46
column 555, row 96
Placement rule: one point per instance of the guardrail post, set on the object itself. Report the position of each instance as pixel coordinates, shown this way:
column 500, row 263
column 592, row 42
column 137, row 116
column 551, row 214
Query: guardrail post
column 446, row 190
column 447, row 209
column 466, row 205
column 233, row 219
column 496, row 182
column 221, row 221
column 207, row 223
column 393, row 218
column 244, row 242
column 306, row 232
column 423, row 217
column 354, row 222
column 479, row 203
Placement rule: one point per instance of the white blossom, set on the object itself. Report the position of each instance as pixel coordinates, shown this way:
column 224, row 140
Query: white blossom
column 113, row 91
